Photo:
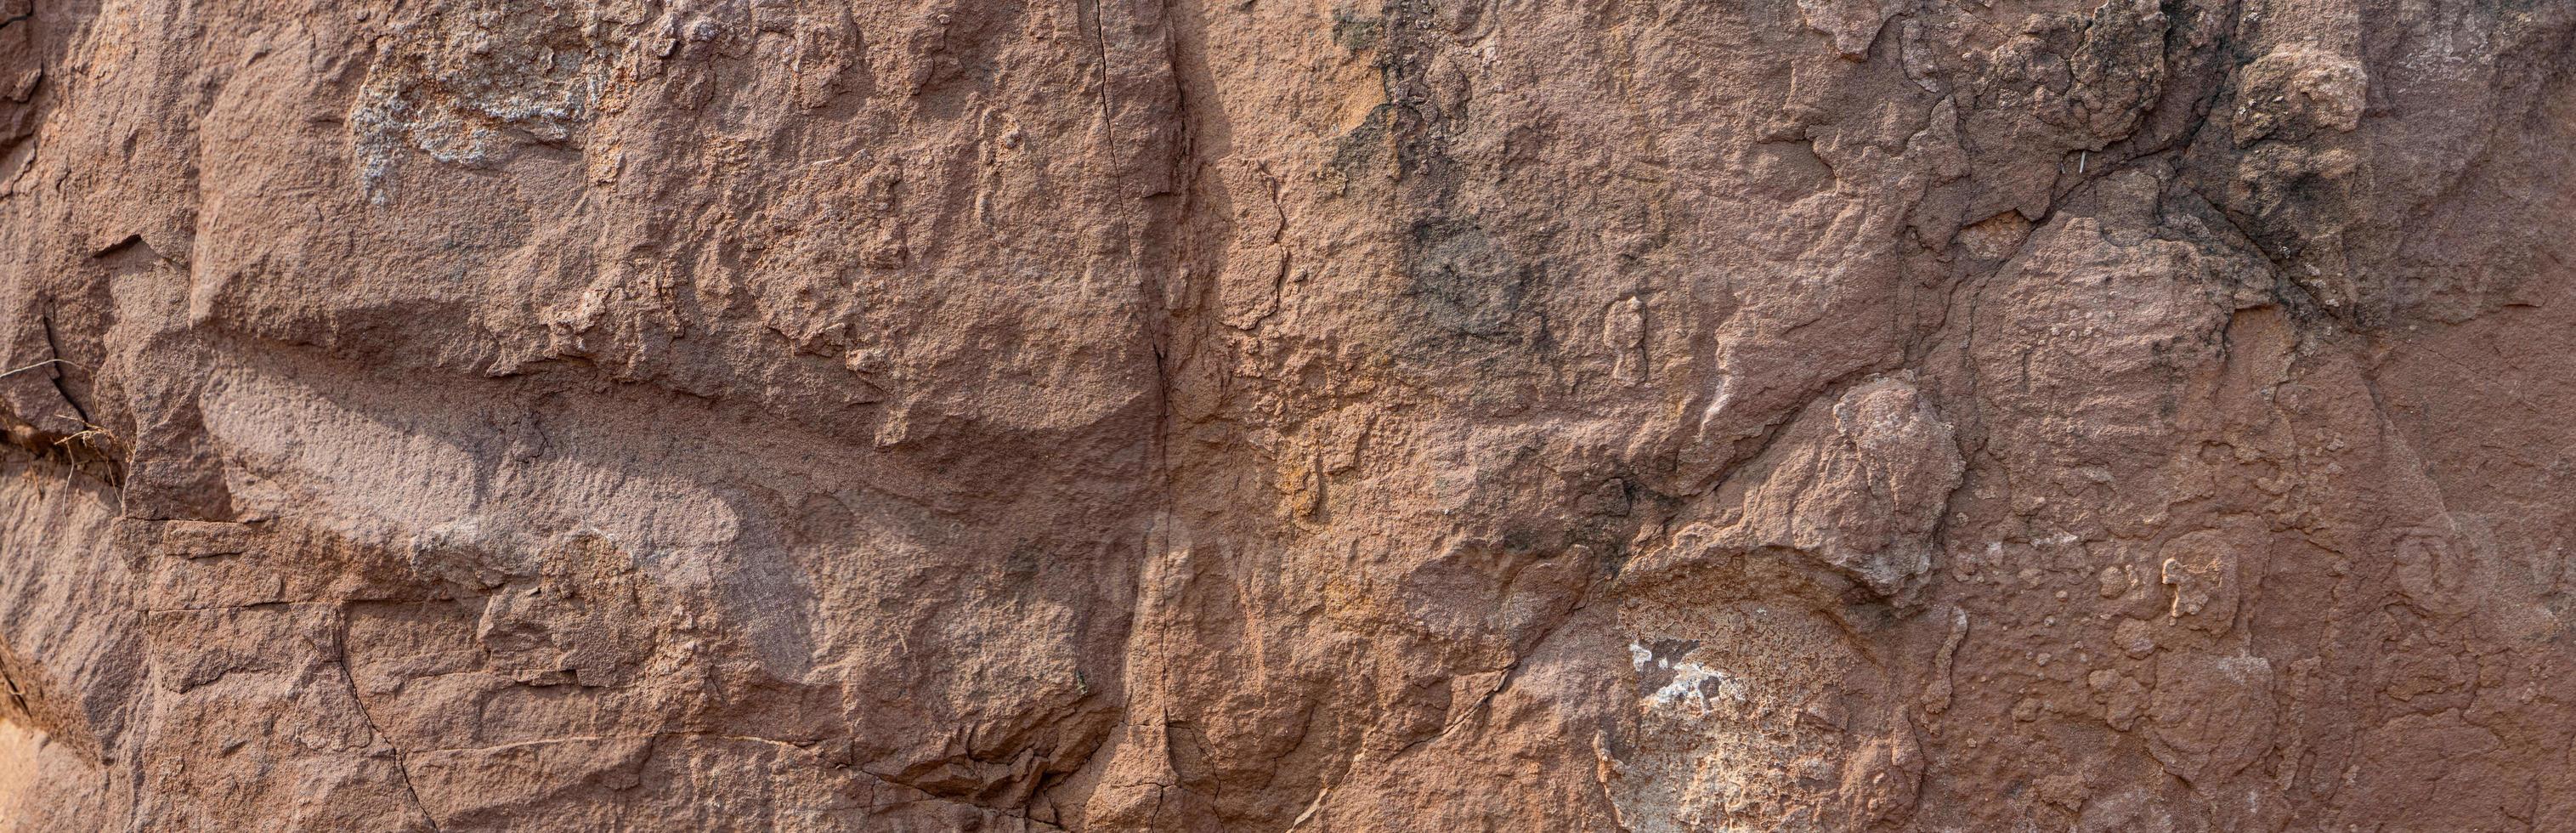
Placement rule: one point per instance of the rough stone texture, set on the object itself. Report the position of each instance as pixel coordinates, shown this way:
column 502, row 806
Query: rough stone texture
column 1362, row 415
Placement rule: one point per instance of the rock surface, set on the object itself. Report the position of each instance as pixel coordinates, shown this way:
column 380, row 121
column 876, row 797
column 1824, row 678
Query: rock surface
column 1384, row 415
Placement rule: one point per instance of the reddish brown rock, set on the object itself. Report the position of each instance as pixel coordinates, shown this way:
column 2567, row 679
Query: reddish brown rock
column 1287, row 415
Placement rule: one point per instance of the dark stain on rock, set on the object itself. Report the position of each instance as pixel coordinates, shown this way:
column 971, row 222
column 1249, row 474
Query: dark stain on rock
column 1355, row 33
column 1465, row 283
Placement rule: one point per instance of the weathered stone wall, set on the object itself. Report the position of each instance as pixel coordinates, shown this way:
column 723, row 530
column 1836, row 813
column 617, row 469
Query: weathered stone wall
column 1358, row 415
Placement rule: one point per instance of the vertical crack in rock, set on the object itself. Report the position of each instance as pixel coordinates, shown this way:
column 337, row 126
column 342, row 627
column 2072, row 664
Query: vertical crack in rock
column 358, row 701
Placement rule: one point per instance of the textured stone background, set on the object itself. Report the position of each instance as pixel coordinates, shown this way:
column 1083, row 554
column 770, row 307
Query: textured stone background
column 1358, row 415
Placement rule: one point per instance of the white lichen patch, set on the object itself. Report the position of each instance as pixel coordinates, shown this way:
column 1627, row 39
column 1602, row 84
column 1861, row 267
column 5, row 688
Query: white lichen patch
column 1744, row 715
column 463, row 84
column 1686, row 685
column 1696, row 687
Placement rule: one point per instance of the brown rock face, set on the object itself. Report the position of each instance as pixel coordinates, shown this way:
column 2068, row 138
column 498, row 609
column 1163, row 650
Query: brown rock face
column 1318, row 415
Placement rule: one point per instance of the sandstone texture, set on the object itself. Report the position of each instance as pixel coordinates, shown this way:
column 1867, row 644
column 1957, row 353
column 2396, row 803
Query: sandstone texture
column 1288, row 415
